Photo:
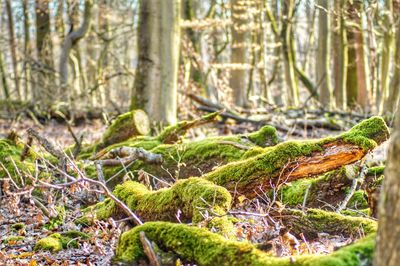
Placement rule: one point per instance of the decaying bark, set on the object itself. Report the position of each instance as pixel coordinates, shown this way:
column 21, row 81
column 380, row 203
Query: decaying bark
column 290, row 161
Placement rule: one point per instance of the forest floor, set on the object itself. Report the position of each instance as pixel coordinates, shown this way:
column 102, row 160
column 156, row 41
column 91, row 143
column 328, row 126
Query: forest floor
column 17, row 244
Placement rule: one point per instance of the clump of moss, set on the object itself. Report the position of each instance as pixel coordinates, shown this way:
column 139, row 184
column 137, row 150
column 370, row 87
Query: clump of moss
column 52, row 243
column 358, row 200
column 17, row 226
column 58, row 241
column 189, row 197
column 376, row 170
column 202, row 247
column 13, row 239
column 55, row 222
column 265, row 136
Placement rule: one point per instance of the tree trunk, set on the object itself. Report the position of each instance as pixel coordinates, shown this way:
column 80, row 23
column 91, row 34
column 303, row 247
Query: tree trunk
column 394, row 88
column 27, row 49
column 388, row 239
column 240, row 54
column 339, row 54
column 288, row 53
column 155, row 88
column 323, row 54
column 357, row 85
column 13, row 47
column 44, row 91
column 386, row 54
column 71, row 39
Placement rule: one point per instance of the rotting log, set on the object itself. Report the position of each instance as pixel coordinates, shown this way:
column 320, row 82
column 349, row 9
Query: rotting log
column 185, row 201
column 325, row 191
column 293, row 160
column 125, row 126
column 188, row 159
column 201, row 247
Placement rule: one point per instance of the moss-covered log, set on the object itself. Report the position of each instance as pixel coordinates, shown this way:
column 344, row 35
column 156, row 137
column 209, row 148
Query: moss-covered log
column 294, row 160
column 314, row 221
column 193, row 158
column 125, row 126
column 323, row 192
column 202, row 247
column 185, row 201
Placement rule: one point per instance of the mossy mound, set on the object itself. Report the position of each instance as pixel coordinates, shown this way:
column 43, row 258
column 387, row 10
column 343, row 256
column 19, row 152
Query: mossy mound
column 58, row 241
column 202, row 247
column 186, row 200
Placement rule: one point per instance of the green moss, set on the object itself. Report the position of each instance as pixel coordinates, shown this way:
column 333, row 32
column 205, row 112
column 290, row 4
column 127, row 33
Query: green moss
column 368, row 133
column 191, row 197
column 13, row 239
column 376, row 170
column 17, row 226
column 224, row 226
column 314, row 221
column 52, row 243
column 358, row 200
column 266, row 136
column 55, row 222
column 360, row 212
column 202, row 247
column 263, row 165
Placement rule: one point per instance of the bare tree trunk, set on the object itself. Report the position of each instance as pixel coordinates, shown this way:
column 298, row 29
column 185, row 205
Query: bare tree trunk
column 394, row 89
column 240, row 51
column 13, row 47
column 387, row 251
column 44, row 91
column 27, row 49
column 4, row 84
column 155, row 87
column 71, row 39
column 339, row 54
column 288, row 52
column 323, row 54
column 357, row 85
column 386, row 54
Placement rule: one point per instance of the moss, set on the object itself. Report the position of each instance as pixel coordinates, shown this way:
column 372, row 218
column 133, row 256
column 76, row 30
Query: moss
column 376, row 170
column 358, row 200
column 223, row 225
column 360, row 212
column 17, row 226
column 58, row 241
column 314, row 221
column 368, row 133
column 190, row 197
column 10, row 240
column 52, row 243
column 55, row 222
column 266, row 136
column 202, row 247
column 263, row 165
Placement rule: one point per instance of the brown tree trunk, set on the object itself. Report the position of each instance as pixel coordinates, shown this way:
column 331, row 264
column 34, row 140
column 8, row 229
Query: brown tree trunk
column 388, row 238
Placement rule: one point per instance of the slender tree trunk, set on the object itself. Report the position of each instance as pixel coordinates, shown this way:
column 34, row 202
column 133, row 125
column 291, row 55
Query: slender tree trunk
column 386, row 54
column 339, row 54
column 240, row 51
column 387, row 251
column 45, row 90
column 27, row 49
column 13, row 47
column 155, row 88
column 323, row 54
column 288, row 52
column 71, row 39
column 394, row 89
column 6, row 90
column 357, row 85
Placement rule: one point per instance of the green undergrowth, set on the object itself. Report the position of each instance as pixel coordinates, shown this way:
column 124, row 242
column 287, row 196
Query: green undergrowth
column 58, row 241
column 186, row 200
column 199, row 246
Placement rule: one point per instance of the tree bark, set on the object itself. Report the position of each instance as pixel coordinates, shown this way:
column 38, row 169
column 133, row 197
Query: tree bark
column 388, row 238
column 155, row 88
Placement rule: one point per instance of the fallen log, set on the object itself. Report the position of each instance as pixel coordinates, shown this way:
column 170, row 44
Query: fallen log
column 186, row 201
column 201, row 247
column 289, row 161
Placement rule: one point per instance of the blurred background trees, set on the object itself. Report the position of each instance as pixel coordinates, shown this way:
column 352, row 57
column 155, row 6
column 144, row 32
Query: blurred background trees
column 96, row 56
